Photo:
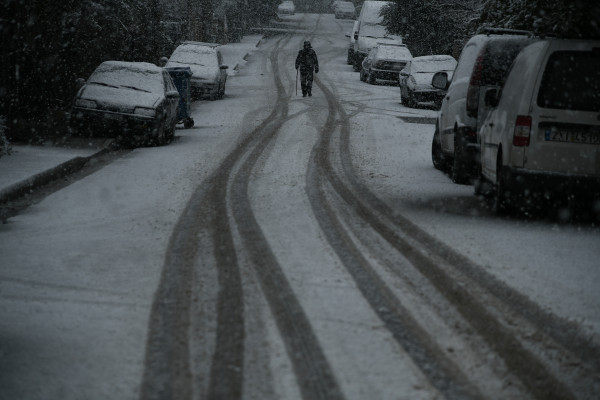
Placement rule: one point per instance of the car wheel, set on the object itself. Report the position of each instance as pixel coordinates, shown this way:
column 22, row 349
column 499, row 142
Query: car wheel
column 460, row 172
column 501, row 199
column 371, row 78
column 222, row 94
column 437, row 156
column 161, row 136
column 412, row 99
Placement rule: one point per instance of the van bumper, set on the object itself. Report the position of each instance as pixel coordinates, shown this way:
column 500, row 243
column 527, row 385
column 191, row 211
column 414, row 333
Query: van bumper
column 550, row 184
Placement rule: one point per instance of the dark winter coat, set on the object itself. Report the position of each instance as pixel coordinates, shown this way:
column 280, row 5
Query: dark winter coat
column 307, row 60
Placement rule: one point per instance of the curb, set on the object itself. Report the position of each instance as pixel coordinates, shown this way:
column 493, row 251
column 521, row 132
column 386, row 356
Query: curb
column 34, row 182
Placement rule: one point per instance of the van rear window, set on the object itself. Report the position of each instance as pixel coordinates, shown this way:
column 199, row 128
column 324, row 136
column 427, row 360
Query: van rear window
column 571, row 81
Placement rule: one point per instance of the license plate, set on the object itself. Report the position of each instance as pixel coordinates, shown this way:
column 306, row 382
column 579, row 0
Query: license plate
column 567, row 135
column 112, row 117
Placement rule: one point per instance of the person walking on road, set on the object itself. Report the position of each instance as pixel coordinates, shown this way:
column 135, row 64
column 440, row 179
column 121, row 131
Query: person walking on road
column 307, row 62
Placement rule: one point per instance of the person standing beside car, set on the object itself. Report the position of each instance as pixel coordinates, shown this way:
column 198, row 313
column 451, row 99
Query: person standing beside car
column 308, row 63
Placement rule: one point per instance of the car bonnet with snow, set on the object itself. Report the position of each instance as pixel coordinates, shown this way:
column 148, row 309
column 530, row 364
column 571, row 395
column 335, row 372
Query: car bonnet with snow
column 423, row 68
column 391, row 56
column 122, row 87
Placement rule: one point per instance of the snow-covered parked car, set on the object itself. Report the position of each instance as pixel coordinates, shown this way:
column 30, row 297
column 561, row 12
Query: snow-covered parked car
column 416, row 77
column 344, row 10
column 384, row 61
column 133, row 101
column 286, row 8
column 209, row 74
column 542, row 139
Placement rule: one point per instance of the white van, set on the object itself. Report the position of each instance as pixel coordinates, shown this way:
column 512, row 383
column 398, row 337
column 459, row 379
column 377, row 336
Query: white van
column 371, row 31
column 543, row 136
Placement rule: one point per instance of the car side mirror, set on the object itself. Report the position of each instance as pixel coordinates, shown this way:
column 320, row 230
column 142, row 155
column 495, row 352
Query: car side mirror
column 79, row 82
column 224, row 66
column 492, row 97
column 440, row 81
column 356, row 36
column 171, row 94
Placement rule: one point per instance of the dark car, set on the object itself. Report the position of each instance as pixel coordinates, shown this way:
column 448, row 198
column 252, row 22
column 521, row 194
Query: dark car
column 416, row 77
column 384, row 61
column 133, row 101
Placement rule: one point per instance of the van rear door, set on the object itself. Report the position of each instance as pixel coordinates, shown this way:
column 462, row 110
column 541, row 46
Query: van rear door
column 565, row 111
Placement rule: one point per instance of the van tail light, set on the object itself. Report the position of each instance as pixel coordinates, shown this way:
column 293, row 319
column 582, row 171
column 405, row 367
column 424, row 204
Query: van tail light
column 522, row 131
column 473, row 89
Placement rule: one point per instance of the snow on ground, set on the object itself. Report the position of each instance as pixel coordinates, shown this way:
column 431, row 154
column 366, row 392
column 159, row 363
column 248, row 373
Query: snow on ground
column 554, row 264
column 82, row 266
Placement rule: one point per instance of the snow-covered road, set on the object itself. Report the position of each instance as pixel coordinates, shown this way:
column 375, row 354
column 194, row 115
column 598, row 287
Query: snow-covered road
column 291, row 247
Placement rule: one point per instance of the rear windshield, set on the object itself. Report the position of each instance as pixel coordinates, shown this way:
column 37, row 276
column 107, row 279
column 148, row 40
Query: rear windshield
column 571, row 81
column 393, row 53
column 195, row 55
column 499, row 56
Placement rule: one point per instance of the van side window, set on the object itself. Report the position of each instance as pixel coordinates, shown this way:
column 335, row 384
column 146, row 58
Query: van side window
column 498, row 60
column 571, row 81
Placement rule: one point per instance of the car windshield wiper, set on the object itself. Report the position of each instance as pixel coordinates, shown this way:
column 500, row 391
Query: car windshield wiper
column 192, row 63
column 103, row 84
column 136, row 88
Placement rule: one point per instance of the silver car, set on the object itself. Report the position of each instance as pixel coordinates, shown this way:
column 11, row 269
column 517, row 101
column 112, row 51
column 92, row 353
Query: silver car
column 416, row 77
column 209, row 74
column 384, row 61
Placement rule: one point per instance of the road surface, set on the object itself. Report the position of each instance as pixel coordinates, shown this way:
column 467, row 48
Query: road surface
column 294, row 248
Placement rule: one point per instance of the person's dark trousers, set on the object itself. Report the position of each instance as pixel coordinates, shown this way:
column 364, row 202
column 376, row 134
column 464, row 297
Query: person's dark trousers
column 306, row 80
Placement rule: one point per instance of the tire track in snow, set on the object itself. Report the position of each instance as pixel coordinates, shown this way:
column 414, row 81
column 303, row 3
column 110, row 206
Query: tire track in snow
column 534, row 372
column 168, row 372
column 442, row 373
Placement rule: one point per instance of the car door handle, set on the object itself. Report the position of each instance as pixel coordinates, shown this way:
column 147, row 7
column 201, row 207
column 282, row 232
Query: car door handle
column 491, row 124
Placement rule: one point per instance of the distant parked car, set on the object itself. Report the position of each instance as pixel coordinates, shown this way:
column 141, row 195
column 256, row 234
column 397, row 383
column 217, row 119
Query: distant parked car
column 415, row 79
column 209, row 74
column 483, row 64
column 344, row 10
column 286, row 8
column 132, row 101
column 543, row 137
column 384, row 61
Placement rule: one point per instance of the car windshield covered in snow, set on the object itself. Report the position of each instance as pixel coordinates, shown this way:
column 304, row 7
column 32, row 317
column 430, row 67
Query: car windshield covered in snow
column 195, row 55
column 387, row 52
column 122, row 74
column 433, row 64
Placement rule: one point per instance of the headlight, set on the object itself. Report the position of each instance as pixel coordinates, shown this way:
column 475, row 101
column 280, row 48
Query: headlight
column 146, row 112
column 83, row 103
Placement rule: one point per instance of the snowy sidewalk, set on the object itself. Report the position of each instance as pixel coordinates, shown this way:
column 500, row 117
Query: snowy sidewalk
column 32, row 166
